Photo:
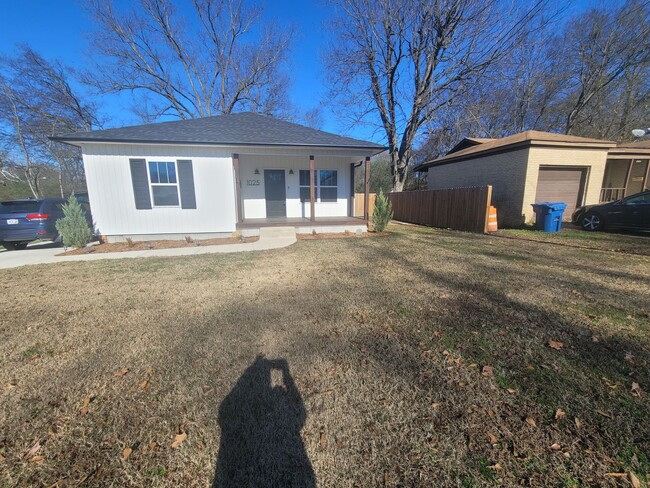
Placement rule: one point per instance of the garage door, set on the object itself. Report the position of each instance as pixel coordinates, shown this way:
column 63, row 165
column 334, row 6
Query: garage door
column 561, row 185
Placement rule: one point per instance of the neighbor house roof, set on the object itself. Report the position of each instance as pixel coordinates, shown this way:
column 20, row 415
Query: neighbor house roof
column 516, row 141
column 632, row 148
column 468, row 142
column 246, row 128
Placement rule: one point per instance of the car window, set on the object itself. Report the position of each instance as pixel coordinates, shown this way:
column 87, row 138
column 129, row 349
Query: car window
column 645, row 198
column 19, row 207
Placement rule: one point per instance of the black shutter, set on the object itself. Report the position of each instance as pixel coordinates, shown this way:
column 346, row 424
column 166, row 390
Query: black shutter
column 140, row 184
column 186, row 183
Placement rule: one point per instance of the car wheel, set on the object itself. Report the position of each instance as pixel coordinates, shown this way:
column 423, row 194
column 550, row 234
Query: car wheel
column 15, row 246
column 591, row 222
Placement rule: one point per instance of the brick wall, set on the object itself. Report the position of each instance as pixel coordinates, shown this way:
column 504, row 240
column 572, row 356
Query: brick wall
column 593, row 159
column 506, row 172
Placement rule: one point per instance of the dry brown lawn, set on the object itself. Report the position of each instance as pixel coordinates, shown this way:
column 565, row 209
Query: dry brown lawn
column 427, row 358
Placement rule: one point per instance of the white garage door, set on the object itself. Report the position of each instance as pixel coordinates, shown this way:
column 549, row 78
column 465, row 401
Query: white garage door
column 561, row 185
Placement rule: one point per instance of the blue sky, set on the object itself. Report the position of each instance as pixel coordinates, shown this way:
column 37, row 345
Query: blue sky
column 60, row 29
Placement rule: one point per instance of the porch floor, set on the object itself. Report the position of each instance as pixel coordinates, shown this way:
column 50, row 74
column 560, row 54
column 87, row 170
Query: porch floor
column 299, row 222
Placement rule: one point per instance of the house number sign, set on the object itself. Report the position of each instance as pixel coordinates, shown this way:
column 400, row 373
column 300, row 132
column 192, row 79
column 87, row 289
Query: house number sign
column 252, row 182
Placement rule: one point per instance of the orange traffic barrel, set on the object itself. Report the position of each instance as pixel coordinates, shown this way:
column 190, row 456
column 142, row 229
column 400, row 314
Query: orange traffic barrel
column 492, row 219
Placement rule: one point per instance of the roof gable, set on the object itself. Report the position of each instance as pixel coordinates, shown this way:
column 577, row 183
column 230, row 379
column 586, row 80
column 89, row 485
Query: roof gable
column 243, row 128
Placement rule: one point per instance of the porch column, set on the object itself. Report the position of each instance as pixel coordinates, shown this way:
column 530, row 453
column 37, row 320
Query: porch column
column 312, row 190
column 238, row 202
column 351, row 206
column 366, row 190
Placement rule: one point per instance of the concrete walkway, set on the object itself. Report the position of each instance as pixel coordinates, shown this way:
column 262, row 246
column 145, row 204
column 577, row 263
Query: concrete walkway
column 270, row 238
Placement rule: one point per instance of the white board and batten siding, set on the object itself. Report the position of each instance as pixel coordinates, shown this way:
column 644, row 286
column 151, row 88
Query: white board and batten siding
column 111, row 193
column 110, row 190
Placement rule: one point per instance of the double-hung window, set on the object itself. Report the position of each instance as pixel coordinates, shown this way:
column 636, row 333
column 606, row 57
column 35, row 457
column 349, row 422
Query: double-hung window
column 164, row 183
column 325, row 182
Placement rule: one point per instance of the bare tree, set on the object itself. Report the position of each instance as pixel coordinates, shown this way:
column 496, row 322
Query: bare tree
column 601, row 47
column 37, row 101
column 218, row 61
column 406, row 60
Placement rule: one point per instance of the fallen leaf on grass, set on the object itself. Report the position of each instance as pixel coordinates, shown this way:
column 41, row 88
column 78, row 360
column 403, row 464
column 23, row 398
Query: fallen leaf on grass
column 555, row 344
column 322, row 441
column 488, row 370
column 555, row 447
column 578, row 423
column 37, row 459
column 2, row 458
column 636, row 483
column 144, row 384
column 559, row 413
column 512, row 391
column 153, row 446
column 493, row 438
column 84, row 410
column 611, row 384
column 530, row 421
column 35, row 448
column 604, row 414
column 179, row 439
column 495, row 467
column 636, row 389
column 616, row 475
column 122, row 372
column 11, row 384
column 126, row 453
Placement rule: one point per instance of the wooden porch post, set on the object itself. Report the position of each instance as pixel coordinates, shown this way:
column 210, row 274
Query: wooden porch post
column 238, row 202
column 312, row 190
column 366, row 190
column 351, row 206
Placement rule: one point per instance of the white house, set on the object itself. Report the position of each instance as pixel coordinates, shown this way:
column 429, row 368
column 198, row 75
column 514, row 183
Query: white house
column 213, row 176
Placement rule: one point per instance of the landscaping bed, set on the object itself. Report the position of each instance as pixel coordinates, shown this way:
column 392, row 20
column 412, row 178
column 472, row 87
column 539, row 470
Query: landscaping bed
column 149, row 245
column 433, row 358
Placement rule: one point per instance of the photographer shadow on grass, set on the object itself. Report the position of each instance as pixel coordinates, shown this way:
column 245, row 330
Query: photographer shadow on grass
column 260, row 422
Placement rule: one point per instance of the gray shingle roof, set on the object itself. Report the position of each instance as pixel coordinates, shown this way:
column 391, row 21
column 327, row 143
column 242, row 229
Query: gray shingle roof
column 233, row 129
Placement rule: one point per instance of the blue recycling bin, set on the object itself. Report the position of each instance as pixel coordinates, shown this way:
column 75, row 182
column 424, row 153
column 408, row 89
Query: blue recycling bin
column 548, row 216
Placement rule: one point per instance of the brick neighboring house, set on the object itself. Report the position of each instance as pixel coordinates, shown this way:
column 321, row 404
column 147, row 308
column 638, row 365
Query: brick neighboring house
column 534, row 166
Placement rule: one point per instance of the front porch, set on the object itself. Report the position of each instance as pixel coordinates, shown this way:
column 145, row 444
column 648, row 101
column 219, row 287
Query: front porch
column 624, row 176
column 303, row 225
column 311, row 193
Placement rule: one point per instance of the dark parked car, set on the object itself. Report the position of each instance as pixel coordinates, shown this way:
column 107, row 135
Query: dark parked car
column 23, row 221
column 631, row 213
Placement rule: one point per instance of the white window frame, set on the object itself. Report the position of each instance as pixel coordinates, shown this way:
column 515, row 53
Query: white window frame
column 317, row 185
column 152, row 184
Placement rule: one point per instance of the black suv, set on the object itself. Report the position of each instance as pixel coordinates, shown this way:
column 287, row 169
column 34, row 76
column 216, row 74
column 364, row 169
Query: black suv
column 631, row 213
column 23, row 221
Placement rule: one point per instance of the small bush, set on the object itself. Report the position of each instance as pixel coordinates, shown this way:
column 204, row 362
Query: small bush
column 383, row 212
column 129, row 242
column 73, row 227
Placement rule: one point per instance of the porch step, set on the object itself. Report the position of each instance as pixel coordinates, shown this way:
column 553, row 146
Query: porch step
column 278, row 233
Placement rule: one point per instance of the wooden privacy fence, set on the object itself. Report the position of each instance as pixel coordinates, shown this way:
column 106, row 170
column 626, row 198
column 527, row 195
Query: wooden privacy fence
column 358, row 204
column 453, row 208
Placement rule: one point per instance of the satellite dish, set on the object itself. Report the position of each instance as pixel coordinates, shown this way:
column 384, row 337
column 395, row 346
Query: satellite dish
column 640, row 132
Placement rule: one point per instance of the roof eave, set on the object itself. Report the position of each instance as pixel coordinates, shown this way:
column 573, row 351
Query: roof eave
column 512, row 147
column 78, row 141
